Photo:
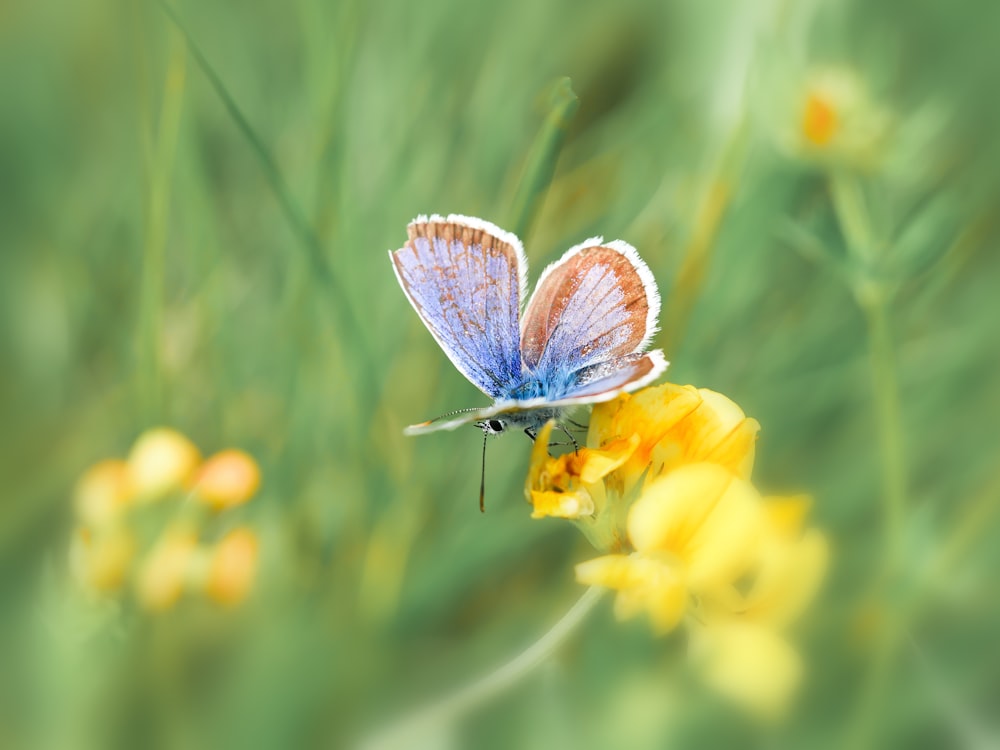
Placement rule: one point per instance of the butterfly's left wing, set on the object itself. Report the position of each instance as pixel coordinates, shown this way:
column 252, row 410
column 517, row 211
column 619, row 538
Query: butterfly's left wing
column 465, row 278
column 597, row 306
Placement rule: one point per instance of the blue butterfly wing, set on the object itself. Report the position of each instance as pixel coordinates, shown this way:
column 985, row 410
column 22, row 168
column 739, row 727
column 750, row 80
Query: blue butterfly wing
column 596, row 307
column 465, row 278
column 605, row 381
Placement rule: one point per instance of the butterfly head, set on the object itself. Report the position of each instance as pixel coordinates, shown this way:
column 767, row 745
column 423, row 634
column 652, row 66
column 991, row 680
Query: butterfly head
column 492, row 426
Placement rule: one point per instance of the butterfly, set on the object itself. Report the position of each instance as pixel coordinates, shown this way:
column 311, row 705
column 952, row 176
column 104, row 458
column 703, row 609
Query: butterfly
column 580, row 340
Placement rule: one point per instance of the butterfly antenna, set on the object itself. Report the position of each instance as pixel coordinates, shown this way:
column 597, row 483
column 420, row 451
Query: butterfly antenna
column 482, row 480
column 449, row 414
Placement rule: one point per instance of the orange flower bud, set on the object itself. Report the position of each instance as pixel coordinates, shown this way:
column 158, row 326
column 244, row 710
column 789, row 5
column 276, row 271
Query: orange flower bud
column 233, row 567
column 227, row 479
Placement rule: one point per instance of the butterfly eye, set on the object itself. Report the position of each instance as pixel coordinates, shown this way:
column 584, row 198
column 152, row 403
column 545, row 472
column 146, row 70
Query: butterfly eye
column 496, row 425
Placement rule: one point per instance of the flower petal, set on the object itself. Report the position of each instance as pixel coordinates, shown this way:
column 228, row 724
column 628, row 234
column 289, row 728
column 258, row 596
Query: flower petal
column 539, row 462
column 596, row 464
column 548, row 503
column 702, row 515
column 751, row 665
column 788, row 578
column 717, row 431
column 644, row 585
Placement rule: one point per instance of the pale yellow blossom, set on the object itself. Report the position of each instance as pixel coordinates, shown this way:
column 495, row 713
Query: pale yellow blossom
column 164, row 575
column 162, row 461
column 100, row 560
column 103, row 492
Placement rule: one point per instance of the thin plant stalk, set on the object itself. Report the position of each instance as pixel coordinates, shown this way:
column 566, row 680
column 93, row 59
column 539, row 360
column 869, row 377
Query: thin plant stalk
column 295, row 216
column 441, row 715
column 873, row 297
column 541, row 164
column 159, row 153
column 709, row 215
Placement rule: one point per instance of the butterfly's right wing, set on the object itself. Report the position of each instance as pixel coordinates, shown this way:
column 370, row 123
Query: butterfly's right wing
column 465, row 278
column 597, row 305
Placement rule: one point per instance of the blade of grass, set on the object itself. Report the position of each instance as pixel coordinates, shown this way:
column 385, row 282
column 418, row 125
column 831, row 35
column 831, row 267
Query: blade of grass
column 158, row 169
column 715, row 202
column 544, row 154
column 297, row 221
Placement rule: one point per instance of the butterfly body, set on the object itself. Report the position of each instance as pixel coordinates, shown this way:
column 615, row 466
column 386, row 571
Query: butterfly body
column 580, row 340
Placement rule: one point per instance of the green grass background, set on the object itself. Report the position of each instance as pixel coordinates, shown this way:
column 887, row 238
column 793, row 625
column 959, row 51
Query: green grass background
column 168, row 260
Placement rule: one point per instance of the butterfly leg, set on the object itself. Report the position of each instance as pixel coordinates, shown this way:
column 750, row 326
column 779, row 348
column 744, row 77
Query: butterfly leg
column 576, row 447
column 572, row 440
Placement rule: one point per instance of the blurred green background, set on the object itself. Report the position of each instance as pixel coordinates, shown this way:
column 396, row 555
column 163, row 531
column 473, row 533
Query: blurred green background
column 196, row 237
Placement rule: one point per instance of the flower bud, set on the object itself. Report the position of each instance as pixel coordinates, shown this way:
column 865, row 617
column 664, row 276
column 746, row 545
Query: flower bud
column 103, row 492
column 227, row 479
column 100, row 561
column 162, row 461
column 233, row 567
column 165, row 571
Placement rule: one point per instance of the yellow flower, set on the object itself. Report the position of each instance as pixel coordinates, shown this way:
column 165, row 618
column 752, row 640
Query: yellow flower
column 227, row 479
column 165, row 572
column 740, row 646
column 676, row 425
column 162, row 461
column 643, row 434
column 100, row 561
column 664, row 485
column 694, row 532
column 837, row 120
column 819, row 119
column 233, row 567
column 103, row 492
column 570, row 486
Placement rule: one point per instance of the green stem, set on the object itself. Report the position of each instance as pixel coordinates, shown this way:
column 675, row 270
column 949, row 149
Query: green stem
column 890, row 434
column 711, row 210
column 159, row 151
column 541, row 163
column 852, row 214
column 444, row 712
column 873, row 298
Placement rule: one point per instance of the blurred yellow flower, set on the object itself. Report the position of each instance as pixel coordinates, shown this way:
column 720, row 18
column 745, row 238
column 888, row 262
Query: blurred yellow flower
column 819, row 119
column 837, row 121
column 227, row 479
column 162, row 461
column 740, row 644
column 233, row 567
column 694, row 532
column 100, row 561
column 103, row 492
column 165, row 572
